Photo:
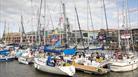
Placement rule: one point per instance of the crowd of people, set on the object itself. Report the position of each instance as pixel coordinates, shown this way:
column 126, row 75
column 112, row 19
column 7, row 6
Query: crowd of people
column 94, row 59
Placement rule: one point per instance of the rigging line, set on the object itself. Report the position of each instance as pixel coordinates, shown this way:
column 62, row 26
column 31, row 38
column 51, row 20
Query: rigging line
column 131, row 32
column 55, row 7
column 33, row 14
column 50, row 17
column 60, row 14
column 4, row 32
column 75, row 23
column 60, row 21
column 91, row 18
column 137, row 12
column 39, row 14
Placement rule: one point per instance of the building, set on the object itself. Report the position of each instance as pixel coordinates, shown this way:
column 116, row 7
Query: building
column 75, row 37
column 93, row 35
column 13, row 37
column 135, row 38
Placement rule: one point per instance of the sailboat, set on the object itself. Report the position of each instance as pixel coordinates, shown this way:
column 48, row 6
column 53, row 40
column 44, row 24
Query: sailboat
column 83, row 62
column 124, row 61
column 54, row 65
column 24, row 56
column 5, row 54
column 126, row 64
column 40, row 64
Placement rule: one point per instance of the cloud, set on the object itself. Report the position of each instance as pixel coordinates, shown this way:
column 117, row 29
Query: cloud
column 11, row 10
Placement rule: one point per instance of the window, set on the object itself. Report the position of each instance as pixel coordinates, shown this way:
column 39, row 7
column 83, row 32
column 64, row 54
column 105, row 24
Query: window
column 85, row 34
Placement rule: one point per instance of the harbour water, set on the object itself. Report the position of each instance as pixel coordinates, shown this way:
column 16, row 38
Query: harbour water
column 14, row 69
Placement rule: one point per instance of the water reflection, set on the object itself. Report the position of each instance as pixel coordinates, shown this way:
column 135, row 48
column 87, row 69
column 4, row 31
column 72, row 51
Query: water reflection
column 14, row 69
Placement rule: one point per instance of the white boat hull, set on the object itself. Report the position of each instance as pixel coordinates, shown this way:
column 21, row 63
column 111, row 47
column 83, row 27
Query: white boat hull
column 24, row 60
column 90, row 47
column 61, row 70
column 122, row 67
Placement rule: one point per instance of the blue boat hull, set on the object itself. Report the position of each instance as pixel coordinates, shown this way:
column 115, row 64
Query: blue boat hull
column 7, row 59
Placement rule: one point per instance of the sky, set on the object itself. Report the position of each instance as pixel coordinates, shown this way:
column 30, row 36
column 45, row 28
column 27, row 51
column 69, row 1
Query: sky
column 11, row 11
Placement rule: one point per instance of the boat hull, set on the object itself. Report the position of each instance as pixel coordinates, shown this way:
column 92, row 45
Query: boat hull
column 24, row 60
column 122, row 67
column 7, row 59
column 60, row 70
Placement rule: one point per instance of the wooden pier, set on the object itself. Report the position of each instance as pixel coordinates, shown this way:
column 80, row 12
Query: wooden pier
column 91, row 69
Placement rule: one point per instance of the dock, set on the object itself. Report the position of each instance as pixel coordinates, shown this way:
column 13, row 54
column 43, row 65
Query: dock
column 91, row 69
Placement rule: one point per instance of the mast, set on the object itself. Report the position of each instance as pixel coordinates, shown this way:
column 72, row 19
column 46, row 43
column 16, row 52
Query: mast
column 126, row 23
column 80, row 28
column 118, row 31
column 61, row 23
column 4, row 32
column 22, row 31
column 88, row 41
column 37, row 26
column 66, row 27
column 8, row 36
column 105, row 15
column 44, row 21
column 39, row 23
column 33, row 29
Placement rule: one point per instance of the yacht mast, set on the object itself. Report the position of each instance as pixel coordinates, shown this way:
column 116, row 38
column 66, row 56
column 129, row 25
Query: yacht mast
column 88, row 41
column 80, row 28
column 4, row 32
column 22, row 31
column 126, row 24
column 66, row 27
column 44, row 22
column 105, row 15
column 118, row 30
column 39, row 23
